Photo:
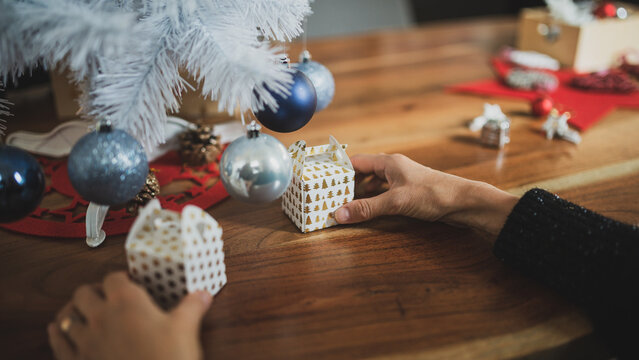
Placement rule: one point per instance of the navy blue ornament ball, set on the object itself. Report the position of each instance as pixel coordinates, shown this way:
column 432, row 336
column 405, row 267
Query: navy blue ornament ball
column 21, row 183
column 295, row 110
column 108, row 166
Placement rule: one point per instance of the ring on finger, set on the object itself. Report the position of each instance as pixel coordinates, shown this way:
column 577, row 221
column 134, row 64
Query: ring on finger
column 65, row 324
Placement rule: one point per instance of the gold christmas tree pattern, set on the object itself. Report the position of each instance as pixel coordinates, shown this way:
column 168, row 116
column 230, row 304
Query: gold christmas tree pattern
column 323, row 180
column 172, row 254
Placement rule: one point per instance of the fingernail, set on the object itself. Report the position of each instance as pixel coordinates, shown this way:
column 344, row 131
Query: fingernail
column 205, row 297
column 342, row 215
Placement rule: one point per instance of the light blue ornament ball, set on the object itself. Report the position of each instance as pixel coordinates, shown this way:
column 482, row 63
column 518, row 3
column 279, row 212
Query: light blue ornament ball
column 108, row 166
column 321, row 78
column 256, row 167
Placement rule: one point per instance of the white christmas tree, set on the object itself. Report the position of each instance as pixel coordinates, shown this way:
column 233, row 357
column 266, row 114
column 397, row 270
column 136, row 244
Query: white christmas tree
column 127, row 54
column 570, row 12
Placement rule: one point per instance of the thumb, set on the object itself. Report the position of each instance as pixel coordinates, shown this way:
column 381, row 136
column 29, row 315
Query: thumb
column 192, row 308
column 364, row 209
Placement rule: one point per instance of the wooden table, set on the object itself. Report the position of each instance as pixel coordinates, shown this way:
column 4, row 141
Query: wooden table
column 390, row 288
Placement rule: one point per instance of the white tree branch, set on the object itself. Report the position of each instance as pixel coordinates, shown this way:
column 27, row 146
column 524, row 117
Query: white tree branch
column 135, row 90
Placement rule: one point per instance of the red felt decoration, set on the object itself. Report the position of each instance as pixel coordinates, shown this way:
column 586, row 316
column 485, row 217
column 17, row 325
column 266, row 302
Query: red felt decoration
column 586, row 107
column 69, row 221
column 607, row 81
column 542, row 105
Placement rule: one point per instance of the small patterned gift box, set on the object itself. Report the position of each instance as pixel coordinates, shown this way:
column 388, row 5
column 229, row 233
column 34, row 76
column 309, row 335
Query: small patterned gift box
column 323, row 180
column 172, row 254
column 496, row 133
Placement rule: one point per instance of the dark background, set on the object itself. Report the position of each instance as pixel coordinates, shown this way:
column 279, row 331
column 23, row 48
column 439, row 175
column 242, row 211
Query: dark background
column 424, row 10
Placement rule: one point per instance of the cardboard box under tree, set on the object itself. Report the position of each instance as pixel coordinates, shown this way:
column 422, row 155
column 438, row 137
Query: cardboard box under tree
column 593, row 46
column 193, row 105
column 323, row 180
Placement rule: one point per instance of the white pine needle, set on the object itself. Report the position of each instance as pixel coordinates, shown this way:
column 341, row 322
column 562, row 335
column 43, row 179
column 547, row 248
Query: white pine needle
column 72, row 33
column 231, row 64
column 569, row 12
column 16, row 52
column 135, row 90
column 277, row 19
column 4, row 111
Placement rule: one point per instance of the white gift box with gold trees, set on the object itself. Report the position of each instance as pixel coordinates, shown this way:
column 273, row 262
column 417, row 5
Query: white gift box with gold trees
column 172, row 254
column 323, row 180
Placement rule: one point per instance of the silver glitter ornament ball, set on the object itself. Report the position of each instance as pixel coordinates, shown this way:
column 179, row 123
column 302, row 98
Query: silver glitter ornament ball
column 321, row 78
column 256, row 167
column 108, row 166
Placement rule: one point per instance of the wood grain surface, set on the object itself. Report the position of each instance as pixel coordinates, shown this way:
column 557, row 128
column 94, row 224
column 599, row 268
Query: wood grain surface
column 389, row 288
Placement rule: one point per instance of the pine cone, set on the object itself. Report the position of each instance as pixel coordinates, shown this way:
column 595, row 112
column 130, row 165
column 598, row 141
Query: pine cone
column 199, row 147
column 149, row 192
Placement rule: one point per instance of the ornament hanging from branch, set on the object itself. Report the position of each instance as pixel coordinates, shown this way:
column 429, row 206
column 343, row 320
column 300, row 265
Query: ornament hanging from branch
column 320, row 77
column 22, row 181
column 256, row 167
column 294, row 110
column 318, row 74
column 107, row 166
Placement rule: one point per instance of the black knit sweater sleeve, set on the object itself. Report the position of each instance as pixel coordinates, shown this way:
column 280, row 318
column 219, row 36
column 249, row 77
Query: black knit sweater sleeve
column 591, row 259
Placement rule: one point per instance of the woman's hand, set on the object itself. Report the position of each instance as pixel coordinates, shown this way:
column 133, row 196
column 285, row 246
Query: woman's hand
column 420, row 192
column 118, row 320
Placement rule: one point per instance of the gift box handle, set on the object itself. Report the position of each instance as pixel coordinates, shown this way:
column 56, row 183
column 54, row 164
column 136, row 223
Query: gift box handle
column 160, row 223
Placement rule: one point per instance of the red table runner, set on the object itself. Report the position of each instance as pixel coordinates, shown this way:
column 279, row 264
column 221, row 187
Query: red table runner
column 586, row 107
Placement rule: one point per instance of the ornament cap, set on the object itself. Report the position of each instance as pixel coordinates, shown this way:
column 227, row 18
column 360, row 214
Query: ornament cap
column 305, row 56
column 285, row 60
column 104, row 126
column 253, row 130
